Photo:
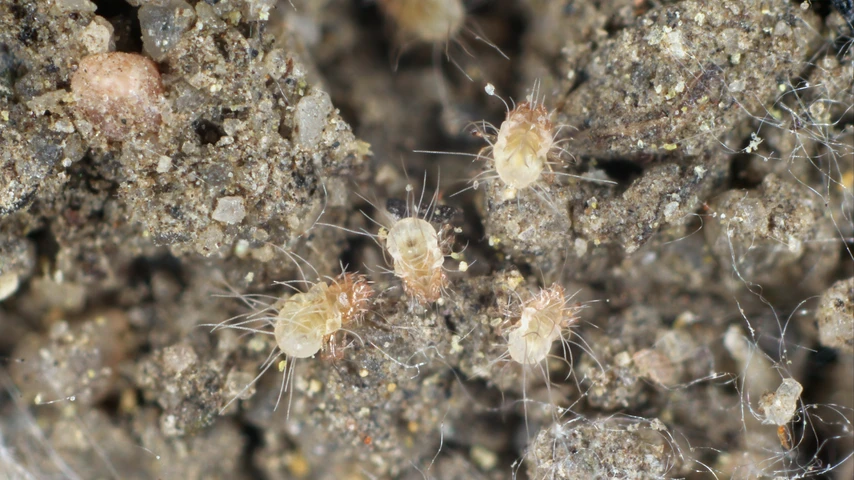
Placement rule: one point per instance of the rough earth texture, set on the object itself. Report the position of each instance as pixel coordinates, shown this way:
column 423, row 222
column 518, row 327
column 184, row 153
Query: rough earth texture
column 222, row 154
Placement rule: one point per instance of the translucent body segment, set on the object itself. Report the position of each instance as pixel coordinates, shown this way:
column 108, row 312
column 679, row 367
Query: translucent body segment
column 304, row 320
column 522, row 146
column 427, row 21
column 540, row 324
column 532, row 340
column 350, row 293
column 414, row 246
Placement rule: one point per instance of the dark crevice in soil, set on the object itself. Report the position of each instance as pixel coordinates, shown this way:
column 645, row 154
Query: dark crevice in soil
column 815, row 439
column 125, row 23
column 46, row 245
column 209, row 132
column 621, row 171
column 142, row 269
column 254, row 442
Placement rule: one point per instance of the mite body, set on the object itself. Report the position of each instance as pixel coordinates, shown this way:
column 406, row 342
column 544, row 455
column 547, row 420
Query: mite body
column 427, row 21
column 303, row 323
column 306, row 320
column 440, row 23
column 522, row 146
column 521, row 149
column 417, row 248
column 416, row 252
column 543, row 320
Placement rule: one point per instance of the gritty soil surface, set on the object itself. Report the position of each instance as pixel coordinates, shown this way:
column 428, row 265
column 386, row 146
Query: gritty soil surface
column 172, row 172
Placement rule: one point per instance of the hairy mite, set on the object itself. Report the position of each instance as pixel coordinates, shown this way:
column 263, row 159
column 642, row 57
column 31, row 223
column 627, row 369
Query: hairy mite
column 428, row 21
column 307, row 319
column 416, row 251
column 522, row 145
column 416, row 247
column 543, row 319
column 303, row 323
column 437, row 22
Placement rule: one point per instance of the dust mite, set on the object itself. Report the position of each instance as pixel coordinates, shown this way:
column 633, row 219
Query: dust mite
column 542, row 321
column 437, row 22
column 523, row 146
column 417, row 252
column 428, row 21
column 307, row 320
column 304, row 323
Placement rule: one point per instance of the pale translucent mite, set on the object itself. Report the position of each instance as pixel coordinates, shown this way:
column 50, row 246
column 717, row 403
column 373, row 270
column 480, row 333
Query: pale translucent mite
column 436, row 22
column 428, row 21
column 523, row 144
column 418, row 259
column 543, row 320
column 303, row 323
column 306, row 321
column 532, row 328
column 417, row 251
column 523, row 147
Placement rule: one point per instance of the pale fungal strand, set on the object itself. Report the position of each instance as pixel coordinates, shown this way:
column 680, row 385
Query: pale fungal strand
column 306, row 320
column 415, row 248
column 522, row 146
column 543, row 320
column 428, row 21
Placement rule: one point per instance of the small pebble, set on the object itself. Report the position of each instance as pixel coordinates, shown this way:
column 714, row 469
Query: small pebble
column 310, row 117
column 229, row 210
column 118, row 93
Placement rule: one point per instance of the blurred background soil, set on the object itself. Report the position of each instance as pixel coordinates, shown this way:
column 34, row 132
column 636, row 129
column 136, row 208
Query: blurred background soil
column 705, row 223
